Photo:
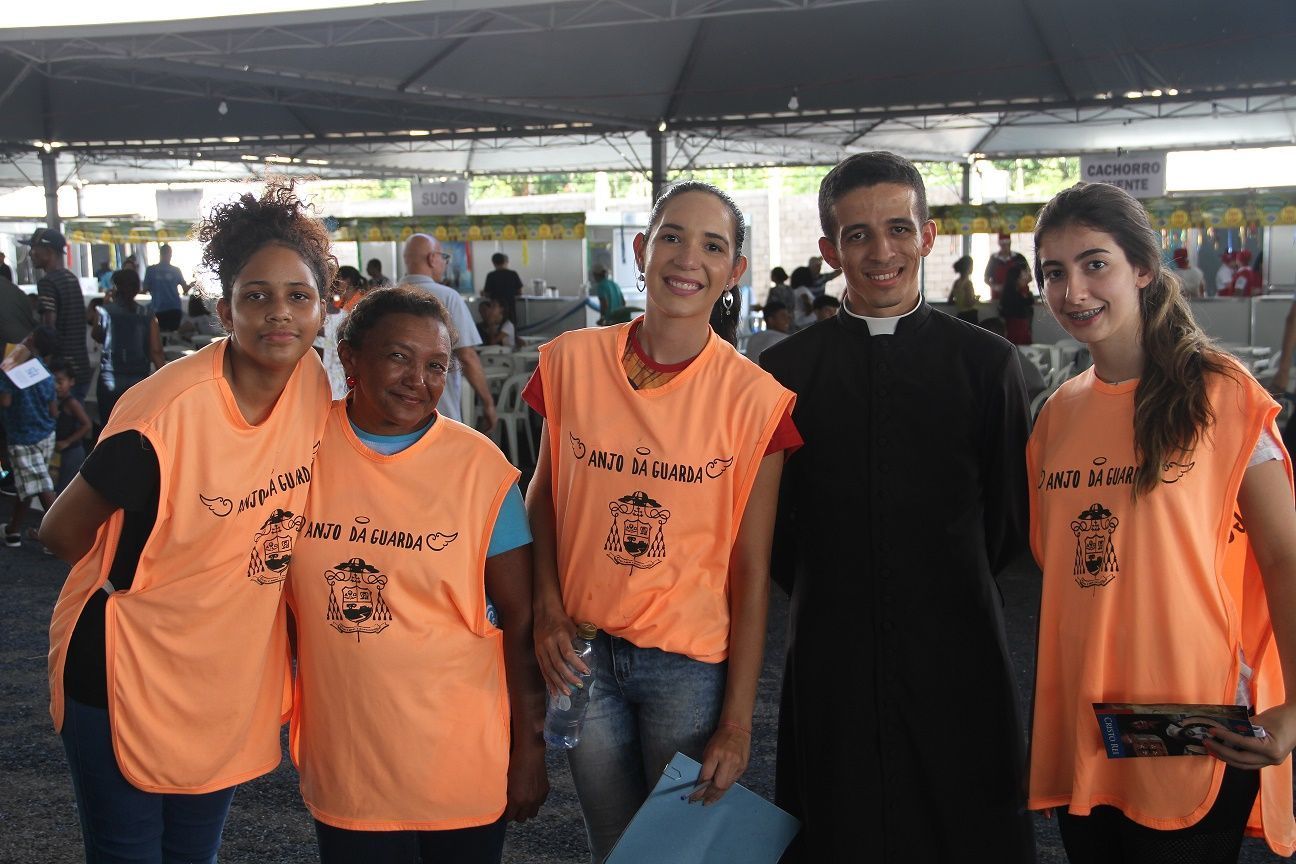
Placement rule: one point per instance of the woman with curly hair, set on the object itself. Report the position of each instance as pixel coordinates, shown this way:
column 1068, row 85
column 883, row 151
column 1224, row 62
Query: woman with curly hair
column 168, row 663
column 1162, row 518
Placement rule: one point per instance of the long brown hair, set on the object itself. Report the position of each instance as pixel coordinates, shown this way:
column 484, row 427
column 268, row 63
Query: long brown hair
column 1171, row 408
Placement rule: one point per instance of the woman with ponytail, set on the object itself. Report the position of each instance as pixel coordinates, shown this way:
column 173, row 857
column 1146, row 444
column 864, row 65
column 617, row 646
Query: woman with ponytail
column 653, row 509
column 1162, row 518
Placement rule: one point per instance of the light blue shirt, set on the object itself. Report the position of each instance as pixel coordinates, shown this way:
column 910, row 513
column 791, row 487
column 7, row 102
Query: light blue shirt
column 162, row 282
column 511, row 529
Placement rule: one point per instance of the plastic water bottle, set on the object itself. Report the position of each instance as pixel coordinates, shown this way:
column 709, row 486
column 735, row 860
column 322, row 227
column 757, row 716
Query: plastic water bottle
column 566, row 711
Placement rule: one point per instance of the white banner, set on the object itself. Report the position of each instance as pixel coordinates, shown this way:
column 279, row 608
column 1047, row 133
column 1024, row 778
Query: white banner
column 1140, row 174
column 443, row 198
column 179, row 204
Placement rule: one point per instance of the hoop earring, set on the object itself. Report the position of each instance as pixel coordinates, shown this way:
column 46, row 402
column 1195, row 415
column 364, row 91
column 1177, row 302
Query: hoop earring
column 727, row 300
column 642, row 284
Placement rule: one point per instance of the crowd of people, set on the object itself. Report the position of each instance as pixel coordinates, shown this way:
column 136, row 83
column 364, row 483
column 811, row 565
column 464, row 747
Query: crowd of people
column 247, row 549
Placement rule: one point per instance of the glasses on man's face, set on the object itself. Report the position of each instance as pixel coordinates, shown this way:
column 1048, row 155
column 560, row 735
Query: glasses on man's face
column 445, row 256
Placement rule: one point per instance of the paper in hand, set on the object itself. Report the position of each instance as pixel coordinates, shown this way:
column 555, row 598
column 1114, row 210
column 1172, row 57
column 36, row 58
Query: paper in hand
column 26, row 374
column 740, row 828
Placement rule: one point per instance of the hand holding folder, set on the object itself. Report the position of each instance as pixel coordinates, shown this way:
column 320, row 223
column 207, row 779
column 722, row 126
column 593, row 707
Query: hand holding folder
column 741, row 827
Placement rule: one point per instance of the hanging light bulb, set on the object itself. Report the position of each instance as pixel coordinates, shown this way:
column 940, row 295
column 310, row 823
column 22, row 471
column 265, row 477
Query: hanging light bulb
column 222, row 109
column 794, row 103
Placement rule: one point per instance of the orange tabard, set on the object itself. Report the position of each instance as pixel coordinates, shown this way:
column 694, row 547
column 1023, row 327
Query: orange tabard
column 650, row 486
column 401, row 720
column 1146, row 602
column 197, row 652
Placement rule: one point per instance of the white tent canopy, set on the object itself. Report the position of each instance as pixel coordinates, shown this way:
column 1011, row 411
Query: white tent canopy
column 502, row 86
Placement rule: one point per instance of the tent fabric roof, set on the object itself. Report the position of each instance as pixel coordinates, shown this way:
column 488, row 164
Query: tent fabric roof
column 498, row 86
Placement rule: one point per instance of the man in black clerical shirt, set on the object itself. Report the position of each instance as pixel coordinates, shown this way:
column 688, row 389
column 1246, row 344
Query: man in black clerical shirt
column 907, row 498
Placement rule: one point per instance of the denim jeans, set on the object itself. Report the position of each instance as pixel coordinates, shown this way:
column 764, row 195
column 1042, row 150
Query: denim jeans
column 483, row 844
column 645, row 704
column 120, row 823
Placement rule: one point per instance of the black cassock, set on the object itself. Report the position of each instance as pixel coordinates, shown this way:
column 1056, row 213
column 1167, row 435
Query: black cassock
column 900, row 734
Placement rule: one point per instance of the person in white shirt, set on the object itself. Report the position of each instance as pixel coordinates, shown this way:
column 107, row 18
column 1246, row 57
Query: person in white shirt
column 778, row 325
column 1224, row 275
column 802, row 298
column 1190, row 278
column 425, row 266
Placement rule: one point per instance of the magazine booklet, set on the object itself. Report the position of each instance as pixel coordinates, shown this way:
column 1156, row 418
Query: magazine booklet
column 1165, row 730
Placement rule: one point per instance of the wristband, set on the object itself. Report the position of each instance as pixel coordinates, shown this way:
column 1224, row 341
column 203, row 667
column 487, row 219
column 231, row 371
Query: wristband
column 731, row 725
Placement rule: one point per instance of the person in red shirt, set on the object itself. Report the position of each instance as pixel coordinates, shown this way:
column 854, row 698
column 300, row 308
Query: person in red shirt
column 1246, row 281
column 653, row 508
column 996, row 271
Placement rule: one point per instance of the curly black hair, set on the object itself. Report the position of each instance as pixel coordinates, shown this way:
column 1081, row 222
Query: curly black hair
column 233, row 232
column 399, row 300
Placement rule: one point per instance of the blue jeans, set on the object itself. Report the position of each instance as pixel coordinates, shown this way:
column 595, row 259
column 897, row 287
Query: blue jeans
column 120, row 823
column 645, row 704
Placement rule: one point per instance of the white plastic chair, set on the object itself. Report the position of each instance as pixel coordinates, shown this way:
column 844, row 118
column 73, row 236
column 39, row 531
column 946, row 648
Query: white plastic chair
column 496, row 356
column 467, row 404
column 1043, row 356
column 1055, row 380
column 1263, row 367
column 515, row 419
column 525, row 361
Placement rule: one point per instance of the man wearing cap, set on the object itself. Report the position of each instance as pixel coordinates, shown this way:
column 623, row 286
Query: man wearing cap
column 163, row 281
column 62, row 304
column 1000, row 263
column 1190, row 277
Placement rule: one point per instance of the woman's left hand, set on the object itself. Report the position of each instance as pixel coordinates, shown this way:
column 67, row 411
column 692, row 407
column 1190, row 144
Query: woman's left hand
column 723, row 762
column 1241, row 751
column 528, row 783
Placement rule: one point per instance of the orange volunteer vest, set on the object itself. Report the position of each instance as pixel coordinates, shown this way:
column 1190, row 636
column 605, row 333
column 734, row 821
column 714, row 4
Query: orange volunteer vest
column 650, row 486
column 197, row 651
column 401, row 716
column 1146, row 602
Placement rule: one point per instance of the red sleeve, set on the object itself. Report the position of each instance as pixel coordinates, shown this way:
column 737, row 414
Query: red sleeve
column 533, row 393
column 785, row 437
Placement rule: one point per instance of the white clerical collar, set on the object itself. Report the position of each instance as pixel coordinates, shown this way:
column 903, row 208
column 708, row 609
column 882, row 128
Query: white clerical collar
column 879, row 326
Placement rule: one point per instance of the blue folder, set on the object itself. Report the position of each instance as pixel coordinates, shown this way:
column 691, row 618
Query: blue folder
column 741, row 827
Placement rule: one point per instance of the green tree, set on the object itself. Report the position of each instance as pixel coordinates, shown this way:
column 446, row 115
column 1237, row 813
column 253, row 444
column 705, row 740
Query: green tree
column 1040, row 179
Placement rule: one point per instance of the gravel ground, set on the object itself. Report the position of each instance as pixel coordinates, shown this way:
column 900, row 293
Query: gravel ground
column 268, row 824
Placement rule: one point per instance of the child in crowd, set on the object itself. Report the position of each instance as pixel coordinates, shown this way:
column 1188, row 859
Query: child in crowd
column 495, row 327
column 29, row 421
column 72, row 425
